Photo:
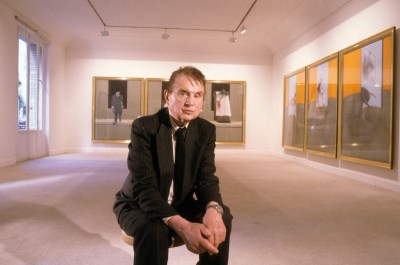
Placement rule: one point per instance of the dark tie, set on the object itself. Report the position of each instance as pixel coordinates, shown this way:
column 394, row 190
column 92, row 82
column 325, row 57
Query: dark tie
column 179, row 167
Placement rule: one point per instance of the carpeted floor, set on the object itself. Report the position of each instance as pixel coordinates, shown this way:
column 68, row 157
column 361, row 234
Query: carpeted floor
column 57, row 210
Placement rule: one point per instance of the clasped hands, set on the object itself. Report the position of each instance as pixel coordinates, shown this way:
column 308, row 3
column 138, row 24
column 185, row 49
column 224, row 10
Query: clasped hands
column 200, row 238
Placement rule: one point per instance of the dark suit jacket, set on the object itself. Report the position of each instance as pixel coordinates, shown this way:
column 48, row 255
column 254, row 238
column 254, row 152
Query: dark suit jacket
column 151, row 167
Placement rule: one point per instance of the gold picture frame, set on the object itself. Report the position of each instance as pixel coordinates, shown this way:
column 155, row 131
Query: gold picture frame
column 116, row 102
column 366, row 101
column 321, row 106
column 294, row 110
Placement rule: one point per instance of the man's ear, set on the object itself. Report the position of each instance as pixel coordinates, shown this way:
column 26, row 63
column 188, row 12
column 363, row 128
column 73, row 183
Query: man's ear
column 166, row 95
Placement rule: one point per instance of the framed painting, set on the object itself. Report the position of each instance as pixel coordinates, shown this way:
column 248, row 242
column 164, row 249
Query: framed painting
column 117, row 101
column 321, row 107
column 366, row 101
column 224, row 106
column 294, row 110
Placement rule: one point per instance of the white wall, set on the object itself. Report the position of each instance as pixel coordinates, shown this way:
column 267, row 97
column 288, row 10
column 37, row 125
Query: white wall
column 57, row 111
column 8, row 86
column 82, row 65
column 325, row 39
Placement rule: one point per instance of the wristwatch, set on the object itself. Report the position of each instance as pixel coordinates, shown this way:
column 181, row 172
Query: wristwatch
column 216, row 207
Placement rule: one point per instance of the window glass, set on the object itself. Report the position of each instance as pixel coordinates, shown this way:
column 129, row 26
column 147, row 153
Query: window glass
column 30, row 82
column 22, row 83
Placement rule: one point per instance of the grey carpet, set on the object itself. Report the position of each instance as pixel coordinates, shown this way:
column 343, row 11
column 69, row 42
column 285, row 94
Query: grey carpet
column 57, row 210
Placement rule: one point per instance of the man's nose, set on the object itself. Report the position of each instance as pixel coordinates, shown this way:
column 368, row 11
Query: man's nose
column 190, row 100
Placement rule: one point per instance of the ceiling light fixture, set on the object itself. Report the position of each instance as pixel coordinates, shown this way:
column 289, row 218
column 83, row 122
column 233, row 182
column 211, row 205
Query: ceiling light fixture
column 243, row 30
column 104, row 32
column 165, row 36
column 233, row 39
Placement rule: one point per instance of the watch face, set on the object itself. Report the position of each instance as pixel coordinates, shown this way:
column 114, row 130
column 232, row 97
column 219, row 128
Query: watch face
column 218, row 208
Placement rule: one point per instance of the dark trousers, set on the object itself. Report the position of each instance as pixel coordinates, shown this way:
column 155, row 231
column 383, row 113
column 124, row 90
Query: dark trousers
column 153, row 238
column 117, row 115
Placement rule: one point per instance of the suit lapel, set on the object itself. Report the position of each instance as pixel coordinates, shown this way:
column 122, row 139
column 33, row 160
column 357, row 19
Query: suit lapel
column 190, row 145
column 165, row 153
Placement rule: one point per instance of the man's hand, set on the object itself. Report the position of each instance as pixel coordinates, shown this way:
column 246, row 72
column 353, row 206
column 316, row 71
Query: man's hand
column 196, row 236
column 213, row 221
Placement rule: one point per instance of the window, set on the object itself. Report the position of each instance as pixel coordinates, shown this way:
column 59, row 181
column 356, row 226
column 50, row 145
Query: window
column 30, row 81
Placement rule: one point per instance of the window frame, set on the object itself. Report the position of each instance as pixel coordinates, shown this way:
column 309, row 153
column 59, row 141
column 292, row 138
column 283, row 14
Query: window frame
column 33, row 73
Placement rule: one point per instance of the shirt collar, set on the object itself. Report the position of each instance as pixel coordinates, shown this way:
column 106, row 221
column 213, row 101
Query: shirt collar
column 175, row 126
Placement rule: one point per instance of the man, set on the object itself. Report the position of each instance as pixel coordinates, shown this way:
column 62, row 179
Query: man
column 153, row 204
column 117, row 105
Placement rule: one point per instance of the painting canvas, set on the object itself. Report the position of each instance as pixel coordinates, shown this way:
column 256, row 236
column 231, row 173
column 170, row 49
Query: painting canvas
column 116, row 103
column 294, row 111
column 155, row 94
column 225, row 107
column 321, row 110
column 366, row 113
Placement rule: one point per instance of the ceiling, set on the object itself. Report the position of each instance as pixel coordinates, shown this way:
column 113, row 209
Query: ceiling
column 193, row 25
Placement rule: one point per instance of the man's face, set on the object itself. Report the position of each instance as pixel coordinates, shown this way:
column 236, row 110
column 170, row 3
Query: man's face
column 185, row 102
column 117, row 93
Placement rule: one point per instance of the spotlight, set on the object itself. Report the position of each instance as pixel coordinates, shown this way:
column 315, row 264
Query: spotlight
column 104, row 32
column 233, row 39
column 243, row 30
column 165, row 36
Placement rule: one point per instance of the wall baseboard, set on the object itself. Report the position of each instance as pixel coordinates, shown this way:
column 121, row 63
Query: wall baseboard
column 387, row 184
column 55, row 152
column 8, row 162
column 98, row 150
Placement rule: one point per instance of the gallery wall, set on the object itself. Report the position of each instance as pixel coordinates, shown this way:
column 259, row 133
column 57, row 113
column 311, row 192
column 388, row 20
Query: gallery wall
column 58, row 110
column 83, row 64
column 325, row 39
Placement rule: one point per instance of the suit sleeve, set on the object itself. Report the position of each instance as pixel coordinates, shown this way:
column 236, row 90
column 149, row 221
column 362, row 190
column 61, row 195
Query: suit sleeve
column 207, row 183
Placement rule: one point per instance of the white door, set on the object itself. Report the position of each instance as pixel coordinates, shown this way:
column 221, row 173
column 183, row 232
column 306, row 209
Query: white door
column 31, row 138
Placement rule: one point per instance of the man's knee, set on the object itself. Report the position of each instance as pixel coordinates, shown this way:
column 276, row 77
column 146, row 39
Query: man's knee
column 130, row 220
column 151, row 231
column 153, row 239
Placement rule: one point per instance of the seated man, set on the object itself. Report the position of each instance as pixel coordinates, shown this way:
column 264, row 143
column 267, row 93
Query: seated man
column 164, row 196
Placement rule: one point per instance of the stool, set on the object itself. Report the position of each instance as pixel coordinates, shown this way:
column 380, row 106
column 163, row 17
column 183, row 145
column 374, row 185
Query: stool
column 176, row 240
